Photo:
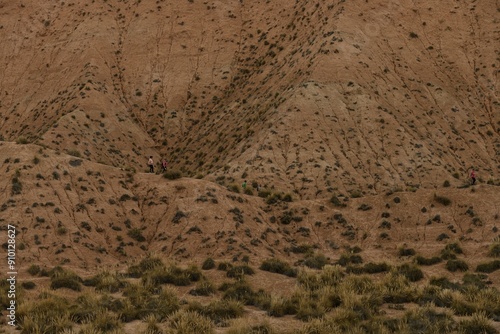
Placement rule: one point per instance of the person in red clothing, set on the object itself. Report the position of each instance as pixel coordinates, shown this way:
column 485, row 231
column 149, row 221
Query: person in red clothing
column 473, row 176
column 164, row 165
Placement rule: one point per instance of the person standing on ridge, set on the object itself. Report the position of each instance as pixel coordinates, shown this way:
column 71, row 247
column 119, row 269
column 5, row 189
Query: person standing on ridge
column 473, row 176
column 164, row 165
column 151, row 164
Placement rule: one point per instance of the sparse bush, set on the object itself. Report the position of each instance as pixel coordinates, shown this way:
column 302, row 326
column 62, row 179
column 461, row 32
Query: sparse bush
column 172, row 175
column 315, row 261
column 478, row 323
column 106, row 282
column 28, row 285
column 106, row 321
column 75, row 153
column 17, row 186
column 246, row 327
column 450, row 251
column 239, row 271
column 488, row 267
column 234, row 188
column 456, row 265
column 403, row 251
column 337, row 202
column 190, row 322
column 224, row 266
column 423, row 261
column 277, row 266
column 241, row 291
column 346, row 259
column 374, row 268
column 34, row 270
column 171, row 275
column 61, row 278
column 178, row 216
column 219, row 311
column 136, row 234
column 147, row 264
column 21, row 140
column 494, row 249
column 442, row 200
column 208, row 264
column 427, row 320
column 204, row 288
column 411, row 272
column 49, row 314
column 141, row 301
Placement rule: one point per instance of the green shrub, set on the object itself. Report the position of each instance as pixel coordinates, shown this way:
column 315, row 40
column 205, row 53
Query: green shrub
column 21, row 140
column 106, row 282
column 444, row 283
column 423, row 261
column 61, row 278
column 403, row 251
column 273, row 198
column 146, row 264
column 28, row 285
column 478, row 323
column 315, row 261
column 219, row 311
column 106, row 321
column 346, row 259
column 49, row 314
column 244, row 327
column 171, row 275
column 442, row 200
column 301, row 249
column 224, row 266
column 450, row 251
column 454, row 247
column 178, row 216
column 374, row 268
column 136, row 234
column 494, row 250
column 172, row 175
column 337, row 202
column 277, row 266
column 240, row 271
column 208, row 264
column 456, row 265
column 476, row 280
column 34, row 270
column 204, row 288
column 186, row 322
column 488, row 267
column 75, row 153
column 427, row 320
column 17, row 186
column 411, row 272
column 143, row 300
column 241, row 291
column 234, row 188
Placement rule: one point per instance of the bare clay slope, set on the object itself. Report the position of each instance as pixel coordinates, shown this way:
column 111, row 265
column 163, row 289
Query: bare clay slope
column 306, row 97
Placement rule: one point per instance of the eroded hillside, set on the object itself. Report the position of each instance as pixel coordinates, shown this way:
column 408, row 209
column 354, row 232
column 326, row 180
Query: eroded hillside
column 309, row 97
